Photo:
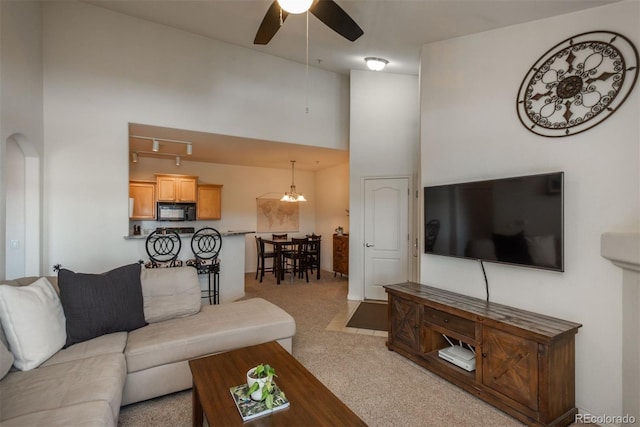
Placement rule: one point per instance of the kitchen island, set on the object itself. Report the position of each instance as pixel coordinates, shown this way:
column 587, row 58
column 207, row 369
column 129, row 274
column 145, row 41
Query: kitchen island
column 231, row 260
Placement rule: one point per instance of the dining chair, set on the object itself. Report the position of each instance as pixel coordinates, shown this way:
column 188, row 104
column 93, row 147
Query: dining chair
column 163, row 248
column 284, row 236
column 262, row 256
column 297, row 258
column 313, row 253
column 205, row 245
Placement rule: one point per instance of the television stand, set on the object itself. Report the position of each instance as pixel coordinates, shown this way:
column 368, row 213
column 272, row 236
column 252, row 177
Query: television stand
column 525, row 362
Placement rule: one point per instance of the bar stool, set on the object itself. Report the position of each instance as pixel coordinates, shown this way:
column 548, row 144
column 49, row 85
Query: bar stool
column 163, row 248
column 205, row 245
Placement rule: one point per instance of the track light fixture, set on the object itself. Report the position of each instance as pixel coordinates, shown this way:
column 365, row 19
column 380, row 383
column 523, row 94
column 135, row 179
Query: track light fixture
column 134, row 157
column 177, row 160
column 156, row 143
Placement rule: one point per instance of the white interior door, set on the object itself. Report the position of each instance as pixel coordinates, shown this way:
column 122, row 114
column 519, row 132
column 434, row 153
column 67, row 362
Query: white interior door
column 386, row 234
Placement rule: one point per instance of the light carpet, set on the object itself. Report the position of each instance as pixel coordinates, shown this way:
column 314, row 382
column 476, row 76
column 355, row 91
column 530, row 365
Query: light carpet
column 382, row 387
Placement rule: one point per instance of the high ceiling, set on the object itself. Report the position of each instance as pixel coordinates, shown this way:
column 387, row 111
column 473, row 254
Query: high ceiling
column 393, row 29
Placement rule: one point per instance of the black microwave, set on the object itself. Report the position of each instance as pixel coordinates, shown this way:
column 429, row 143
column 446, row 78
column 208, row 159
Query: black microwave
column 176, row 211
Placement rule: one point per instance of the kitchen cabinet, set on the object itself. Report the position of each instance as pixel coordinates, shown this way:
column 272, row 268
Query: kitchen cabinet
column 525, row 361
column 143, row 194
column 341, row 254
column 209, row 206
column 176, row 188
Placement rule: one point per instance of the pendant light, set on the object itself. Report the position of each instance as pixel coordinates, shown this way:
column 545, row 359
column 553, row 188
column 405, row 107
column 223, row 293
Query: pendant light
column 295, row 6
column 292, row 196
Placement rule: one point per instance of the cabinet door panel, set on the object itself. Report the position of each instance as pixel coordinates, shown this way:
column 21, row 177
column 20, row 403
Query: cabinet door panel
column 209, row 202
column 186, row 190
column 510, row 366
column 405, row 322
column 144, row 203
column 166, row 189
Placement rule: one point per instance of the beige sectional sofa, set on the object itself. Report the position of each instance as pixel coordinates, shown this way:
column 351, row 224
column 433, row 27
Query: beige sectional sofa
column 87, row 382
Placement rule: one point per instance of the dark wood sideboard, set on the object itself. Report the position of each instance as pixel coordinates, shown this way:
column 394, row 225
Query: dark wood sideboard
column 525, row 362
column 341, row 254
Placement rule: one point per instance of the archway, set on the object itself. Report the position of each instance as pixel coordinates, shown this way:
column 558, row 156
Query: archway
column 22, row 208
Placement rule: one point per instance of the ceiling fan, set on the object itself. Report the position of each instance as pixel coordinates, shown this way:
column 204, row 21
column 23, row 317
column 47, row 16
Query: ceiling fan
column 326, row 11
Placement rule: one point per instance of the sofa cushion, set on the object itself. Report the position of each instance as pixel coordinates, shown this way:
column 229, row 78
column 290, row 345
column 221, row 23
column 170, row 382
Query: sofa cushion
column 98, row 378
column 86, row 414
column 33, row 321
column 98, row 304
column 6, row 360
column 169, row 293
column 104, row 344
column 216, row 328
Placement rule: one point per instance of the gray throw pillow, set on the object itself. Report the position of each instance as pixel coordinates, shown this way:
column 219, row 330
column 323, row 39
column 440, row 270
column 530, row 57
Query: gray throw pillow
column 98, row 304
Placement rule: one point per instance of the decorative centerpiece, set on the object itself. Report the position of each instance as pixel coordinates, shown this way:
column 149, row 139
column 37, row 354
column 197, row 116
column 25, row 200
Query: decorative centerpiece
column 261, row 384
column 260, row 395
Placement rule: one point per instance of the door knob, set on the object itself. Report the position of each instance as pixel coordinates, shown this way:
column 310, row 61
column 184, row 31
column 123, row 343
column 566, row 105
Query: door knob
column 368, row 245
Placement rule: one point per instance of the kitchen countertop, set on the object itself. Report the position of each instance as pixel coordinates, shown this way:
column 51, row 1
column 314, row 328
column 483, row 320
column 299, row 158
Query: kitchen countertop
column 189, row 235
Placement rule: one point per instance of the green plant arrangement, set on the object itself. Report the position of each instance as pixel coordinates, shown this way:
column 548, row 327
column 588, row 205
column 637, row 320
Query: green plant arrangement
column 264, row 374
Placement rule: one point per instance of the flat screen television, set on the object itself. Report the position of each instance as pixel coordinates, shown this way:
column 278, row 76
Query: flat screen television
column 516, row 220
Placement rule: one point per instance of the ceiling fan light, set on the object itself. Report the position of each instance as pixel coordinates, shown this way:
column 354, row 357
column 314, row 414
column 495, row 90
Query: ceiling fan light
column 375, row 64
column 295, row 6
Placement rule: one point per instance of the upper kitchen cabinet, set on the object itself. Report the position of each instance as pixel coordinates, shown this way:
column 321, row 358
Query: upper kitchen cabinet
column 143, row 194
column 176, row 188
column 209, row 206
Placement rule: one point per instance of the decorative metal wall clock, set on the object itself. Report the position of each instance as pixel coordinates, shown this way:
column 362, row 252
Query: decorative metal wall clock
column 577, row 84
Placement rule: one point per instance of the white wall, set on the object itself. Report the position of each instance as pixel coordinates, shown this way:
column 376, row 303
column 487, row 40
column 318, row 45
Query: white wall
column 21, row 119
column 104, row 70
column 470, row 130
column 332, row 200
column 384, row 142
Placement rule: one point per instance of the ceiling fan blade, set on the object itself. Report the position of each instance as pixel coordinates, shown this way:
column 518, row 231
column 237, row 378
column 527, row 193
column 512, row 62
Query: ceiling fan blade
column 337, row 19
column 270, row 24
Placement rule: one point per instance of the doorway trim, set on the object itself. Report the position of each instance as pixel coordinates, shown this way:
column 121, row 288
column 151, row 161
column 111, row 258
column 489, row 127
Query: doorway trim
column 410, row 228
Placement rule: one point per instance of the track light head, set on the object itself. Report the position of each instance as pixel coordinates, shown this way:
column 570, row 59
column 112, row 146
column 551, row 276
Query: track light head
column 189, row 149
column 177, row 160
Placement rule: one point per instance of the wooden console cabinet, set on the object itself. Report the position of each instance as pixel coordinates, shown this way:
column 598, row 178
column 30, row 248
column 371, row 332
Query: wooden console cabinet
column 341, row 254
column 525, row 362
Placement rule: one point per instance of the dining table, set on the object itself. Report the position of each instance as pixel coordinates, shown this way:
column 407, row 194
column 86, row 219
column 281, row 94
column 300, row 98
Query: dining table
column 280, row 246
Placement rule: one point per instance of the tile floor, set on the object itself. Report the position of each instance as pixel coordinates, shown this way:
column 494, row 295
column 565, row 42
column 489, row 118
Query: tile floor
column 340, row 320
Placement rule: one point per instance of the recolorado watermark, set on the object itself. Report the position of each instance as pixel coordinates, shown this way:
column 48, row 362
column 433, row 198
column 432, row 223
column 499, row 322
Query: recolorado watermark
column 605, row 419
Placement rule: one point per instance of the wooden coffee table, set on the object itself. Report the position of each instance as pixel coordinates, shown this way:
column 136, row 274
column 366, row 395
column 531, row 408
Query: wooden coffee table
column 311, row 403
